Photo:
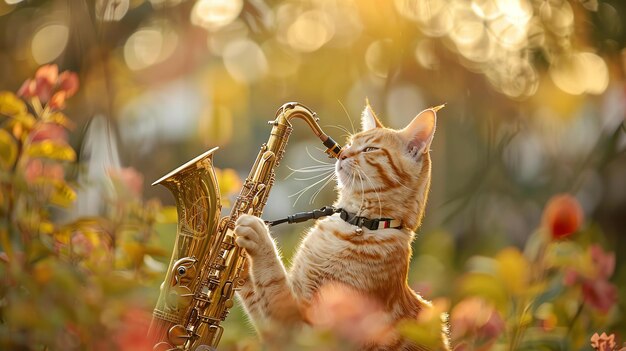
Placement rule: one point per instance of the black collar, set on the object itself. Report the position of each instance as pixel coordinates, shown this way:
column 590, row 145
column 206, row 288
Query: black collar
column 371, row 224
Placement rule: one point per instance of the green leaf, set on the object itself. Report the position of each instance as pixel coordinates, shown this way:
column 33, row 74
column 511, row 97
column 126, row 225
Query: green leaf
column 554, row 290
column 8, row 150
column 11, row 105
column 51, row 149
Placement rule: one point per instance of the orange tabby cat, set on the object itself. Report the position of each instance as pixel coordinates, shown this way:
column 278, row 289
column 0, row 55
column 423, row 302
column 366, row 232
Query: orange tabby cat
column 382, row 173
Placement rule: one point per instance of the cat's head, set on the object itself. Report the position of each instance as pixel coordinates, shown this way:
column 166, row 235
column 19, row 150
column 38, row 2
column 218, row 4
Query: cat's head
column 384, row 172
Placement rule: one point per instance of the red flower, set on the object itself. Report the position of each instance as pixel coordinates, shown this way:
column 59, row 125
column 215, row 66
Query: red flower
column 68, row 82
column 562, row 216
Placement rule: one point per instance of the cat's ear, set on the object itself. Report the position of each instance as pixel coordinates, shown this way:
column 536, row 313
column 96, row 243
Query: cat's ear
column 419, row 133
column 368, row 118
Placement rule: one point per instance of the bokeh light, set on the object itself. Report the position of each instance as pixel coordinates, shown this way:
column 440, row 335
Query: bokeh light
column 245, row 60
column 111, row 10
column 49, row 42
column 580, row 73
column 149, row 45
column 213, row 14
column 310, row 31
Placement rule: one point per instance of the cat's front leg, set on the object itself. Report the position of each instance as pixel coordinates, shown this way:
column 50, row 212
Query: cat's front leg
column 273, row 295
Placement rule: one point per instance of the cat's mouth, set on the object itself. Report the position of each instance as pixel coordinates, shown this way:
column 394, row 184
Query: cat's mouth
column 344, row 172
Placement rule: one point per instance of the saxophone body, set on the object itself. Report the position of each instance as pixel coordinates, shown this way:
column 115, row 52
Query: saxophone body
column 206, row 267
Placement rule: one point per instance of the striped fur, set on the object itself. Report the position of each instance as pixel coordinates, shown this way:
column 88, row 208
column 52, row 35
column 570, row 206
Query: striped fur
column 381, row 173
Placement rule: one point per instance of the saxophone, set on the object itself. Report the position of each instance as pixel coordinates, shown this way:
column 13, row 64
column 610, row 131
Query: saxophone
column 206, row 267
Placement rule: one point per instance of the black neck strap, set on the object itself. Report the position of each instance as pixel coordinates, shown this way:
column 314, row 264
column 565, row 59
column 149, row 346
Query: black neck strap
column 352, row 218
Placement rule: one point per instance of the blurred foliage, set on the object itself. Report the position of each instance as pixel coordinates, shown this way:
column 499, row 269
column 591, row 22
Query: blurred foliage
column 536, row 106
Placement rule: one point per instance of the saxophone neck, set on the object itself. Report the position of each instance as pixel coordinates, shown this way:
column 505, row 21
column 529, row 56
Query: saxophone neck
column 292, row 110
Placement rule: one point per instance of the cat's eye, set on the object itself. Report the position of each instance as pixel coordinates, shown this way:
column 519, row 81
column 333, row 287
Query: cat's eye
column 370, row 148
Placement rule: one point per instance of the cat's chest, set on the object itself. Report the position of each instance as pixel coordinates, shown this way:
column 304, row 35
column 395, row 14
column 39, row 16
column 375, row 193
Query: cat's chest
column 333, row 251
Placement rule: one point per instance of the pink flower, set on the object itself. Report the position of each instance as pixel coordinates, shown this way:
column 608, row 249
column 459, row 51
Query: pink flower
column 49, row 131
column 81, row 245
column 133, row 331
column 45, row 79
column 37, row 169
column 28, row 89
column 130, row 179
column 47, row 74
column 603, row 342
column 562, row 216
column 604, row 262
column 597, row 291
column 599, row 294
column 476, row 318
column 68, row 82
column 350, row 313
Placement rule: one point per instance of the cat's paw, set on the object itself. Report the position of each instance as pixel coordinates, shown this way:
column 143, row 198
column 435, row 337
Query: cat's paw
column 252, row 235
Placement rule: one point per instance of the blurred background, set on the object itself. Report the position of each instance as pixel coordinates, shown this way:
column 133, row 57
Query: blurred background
column 535, row 94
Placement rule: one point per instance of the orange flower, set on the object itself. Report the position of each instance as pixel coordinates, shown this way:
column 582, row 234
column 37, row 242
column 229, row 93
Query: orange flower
column 562, row 216
column 57, row 102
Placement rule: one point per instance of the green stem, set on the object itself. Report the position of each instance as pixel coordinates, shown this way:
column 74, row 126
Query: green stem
column 570, row 327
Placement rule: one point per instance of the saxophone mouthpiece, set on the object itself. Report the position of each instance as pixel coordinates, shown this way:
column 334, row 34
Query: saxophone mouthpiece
column 334, row 149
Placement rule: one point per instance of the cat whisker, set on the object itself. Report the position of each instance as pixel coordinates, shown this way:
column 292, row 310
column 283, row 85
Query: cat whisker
column 320, row 189
column 328, row 166
column 302, row 191
column 312, row 169
column 315, row 176
column 317, row 160
column 341, row 128
column 348, row 115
